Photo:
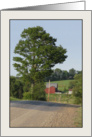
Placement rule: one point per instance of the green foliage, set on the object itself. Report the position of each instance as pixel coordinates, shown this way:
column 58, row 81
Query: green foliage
column 65, row 75
column 27, row 86
column 38, row 54
column 76, row 86
column 71, row 84
column 14, row 99
column 62, row 84
column 12, row 85
column 16, row 87
column 38, row 91
column 77, row 89
column 27, row 95
column 59, row 74
column 72, row 72
column 65, row 89
column 61, row 98
column 78, row 72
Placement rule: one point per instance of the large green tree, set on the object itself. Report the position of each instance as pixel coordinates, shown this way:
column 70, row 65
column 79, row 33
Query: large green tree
column 38, row 53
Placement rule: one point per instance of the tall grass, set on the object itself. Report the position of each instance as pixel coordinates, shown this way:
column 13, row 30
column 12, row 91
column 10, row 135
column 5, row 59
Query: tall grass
column 14, row 99
column 60, row 98
column 78, row 120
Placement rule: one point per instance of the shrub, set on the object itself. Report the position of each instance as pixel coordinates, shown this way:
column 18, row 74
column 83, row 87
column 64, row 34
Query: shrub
column 38, row 91
column 26, row 87
column 12, row 85
column 71, row 84
column 16, row 87
column 27, row 95
column 77, row 100
column 77, row 89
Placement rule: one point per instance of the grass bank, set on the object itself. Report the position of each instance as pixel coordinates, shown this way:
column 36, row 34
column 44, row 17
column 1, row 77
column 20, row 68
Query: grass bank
column 78, row 119
column 60, row 98
column 14, row 99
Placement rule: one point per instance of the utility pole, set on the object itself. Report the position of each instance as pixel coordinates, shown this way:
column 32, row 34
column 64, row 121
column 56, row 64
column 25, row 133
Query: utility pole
column 49, row 90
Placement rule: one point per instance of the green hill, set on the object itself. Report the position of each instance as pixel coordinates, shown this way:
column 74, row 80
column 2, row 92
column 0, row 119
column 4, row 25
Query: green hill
column 62, row 84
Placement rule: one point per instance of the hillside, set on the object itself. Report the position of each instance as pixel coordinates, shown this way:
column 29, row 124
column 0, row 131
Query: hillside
column 62, row 84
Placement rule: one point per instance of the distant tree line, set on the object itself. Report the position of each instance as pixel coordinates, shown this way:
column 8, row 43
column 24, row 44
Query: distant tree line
column 59, row 74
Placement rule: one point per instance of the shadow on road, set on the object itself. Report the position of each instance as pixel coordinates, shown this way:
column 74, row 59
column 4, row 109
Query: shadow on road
column 40, row 105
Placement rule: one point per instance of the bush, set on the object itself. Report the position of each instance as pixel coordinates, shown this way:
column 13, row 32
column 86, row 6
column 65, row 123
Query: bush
column 77, row 100
column 27, row 95
column 77, row 89
column 12, row 85
column 65, row 89
column 16, row 88
column 71, row 84
column 14, row 99
column 38, row 91
column 26, row 87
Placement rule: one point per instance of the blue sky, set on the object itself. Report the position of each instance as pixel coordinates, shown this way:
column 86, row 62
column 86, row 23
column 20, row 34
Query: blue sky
column 67, row 32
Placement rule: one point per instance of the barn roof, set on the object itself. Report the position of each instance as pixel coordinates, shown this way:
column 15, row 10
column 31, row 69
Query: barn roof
column 52, row 84
column 70, row 89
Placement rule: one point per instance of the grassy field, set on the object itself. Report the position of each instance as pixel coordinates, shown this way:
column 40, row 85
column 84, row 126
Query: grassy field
column 62, row 84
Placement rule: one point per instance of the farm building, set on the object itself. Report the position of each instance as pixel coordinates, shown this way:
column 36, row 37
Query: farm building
column 70, row 91
column 52, row 85
column 53, row 88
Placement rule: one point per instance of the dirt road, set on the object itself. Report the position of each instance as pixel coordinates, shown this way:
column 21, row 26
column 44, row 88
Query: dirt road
column 41, row 114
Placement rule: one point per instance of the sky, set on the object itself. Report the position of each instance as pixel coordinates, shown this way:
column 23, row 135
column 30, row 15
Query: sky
column 67, row 32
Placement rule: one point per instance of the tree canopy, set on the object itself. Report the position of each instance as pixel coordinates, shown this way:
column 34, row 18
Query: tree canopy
column 72, row 72
column 38, row 53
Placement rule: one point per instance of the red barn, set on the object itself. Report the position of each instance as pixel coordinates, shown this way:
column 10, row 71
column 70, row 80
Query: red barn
column 51, row 90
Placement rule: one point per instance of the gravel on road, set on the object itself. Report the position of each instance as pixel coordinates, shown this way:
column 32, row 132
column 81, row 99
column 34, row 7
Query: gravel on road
column 42, row 114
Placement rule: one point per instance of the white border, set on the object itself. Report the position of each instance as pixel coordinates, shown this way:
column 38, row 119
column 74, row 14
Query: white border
column 86, row 17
